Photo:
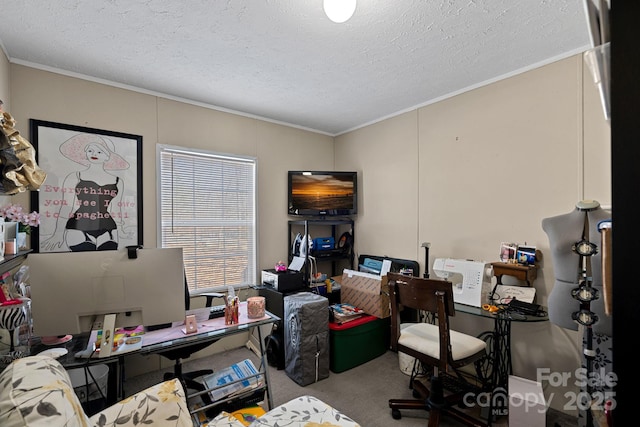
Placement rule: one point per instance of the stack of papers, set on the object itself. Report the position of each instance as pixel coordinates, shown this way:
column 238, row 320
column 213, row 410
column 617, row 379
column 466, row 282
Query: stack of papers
column 124, row 341
column 344, row 312
column 233, row 380
column 504, row 293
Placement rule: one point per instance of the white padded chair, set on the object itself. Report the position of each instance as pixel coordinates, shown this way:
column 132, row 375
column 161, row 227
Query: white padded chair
column 435, row 346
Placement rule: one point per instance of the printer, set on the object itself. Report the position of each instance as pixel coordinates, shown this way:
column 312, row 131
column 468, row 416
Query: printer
column 471, row 279
column 283, row 281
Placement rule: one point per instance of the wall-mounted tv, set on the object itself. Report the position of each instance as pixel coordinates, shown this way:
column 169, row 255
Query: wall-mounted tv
column 323, row 193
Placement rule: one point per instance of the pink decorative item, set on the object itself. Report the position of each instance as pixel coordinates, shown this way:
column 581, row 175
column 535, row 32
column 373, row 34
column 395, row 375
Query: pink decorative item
column 281, row 266
column 255, row 307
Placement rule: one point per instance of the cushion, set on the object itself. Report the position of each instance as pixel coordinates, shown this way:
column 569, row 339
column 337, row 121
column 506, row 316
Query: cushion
column 304, row 411
column 425, row 338
column 249, row 414
column 224, row 419
column 37, row 391
column 161, row 404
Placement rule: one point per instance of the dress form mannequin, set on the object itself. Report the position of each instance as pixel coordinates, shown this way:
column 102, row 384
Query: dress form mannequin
column 563, row 232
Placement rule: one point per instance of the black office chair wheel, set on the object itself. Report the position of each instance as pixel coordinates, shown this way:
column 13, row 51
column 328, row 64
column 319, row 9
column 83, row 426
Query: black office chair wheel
column 395, row 413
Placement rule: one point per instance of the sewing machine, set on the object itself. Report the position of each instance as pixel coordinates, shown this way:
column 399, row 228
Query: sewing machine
column 471, row 279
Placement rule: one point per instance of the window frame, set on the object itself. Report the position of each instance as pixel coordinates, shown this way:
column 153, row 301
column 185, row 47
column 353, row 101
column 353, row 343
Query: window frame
column 252, row 255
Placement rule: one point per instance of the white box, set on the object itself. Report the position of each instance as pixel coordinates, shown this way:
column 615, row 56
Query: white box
column 527, row 405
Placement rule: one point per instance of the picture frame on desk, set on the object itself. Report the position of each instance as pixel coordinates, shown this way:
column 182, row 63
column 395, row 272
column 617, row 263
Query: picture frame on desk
column 190, row 325
column 508, row 252
column 92, row 196
column 526, row 255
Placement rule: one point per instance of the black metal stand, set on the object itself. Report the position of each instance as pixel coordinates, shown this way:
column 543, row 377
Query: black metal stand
column 426, row 246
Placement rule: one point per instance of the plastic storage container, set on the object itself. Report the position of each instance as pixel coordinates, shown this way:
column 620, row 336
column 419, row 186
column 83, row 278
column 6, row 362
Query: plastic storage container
column 358, row 341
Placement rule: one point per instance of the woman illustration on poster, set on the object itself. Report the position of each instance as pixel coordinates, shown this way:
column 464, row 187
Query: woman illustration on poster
column 90, row 216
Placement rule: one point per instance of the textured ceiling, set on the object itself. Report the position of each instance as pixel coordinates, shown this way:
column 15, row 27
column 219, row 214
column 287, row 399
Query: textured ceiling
column 284, row 61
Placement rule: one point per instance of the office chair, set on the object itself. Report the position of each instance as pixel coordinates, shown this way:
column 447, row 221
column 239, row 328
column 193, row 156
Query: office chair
column 188, row 379
column 435, row 346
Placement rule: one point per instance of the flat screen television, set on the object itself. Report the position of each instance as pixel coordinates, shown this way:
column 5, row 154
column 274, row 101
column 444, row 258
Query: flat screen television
column 69, row 291
column 323, row 193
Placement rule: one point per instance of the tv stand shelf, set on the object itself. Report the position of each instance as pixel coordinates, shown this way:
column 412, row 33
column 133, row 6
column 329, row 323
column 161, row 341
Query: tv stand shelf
column 338, row 225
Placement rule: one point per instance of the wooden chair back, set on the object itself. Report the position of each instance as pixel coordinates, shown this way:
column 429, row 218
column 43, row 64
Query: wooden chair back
column 433, row 296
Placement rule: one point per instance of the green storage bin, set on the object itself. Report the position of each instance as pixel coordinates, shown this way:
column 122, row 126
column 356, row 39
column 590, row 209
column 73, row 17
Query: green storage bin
column 357, row 342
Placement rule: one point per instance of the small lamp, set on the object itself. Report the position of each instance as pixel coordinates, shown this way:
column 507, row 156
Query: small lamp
column 339, row 11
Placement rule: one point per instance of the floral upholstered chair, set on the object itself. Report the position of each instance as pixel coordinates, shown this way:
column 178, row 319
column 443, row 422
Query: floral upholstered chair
column 303, row 411
column 37, row 391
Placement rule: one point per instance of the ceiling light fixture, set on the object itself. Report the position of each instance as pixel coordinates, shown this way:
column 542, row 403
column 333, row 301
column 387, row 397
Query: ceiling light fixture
column 339, row 11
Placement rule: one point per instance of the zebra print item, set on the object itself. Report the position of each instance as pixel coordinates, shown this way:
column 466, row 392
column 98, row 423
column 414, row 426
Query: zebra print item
column 12, row 317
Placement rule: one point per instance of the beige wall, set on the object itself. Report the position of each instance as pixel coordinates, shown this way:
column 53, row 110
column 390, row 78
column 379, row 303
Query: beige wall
column 463, row 174
column 4, row 80
column 53, row 97
column 480, row 168
column 57, row 98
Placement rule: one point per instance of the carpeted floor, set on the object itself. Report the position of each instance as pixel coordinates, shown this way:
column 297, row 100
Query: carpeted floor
column 361, row 392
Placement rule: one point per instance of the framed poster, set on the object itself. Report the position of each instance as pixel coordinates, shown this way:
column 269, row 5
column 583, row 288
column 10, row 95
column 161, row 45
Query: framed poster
column 92, row 197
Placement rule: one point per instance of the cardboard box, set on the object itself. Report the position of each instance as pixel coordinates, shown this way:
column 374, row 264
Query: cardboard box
column 527, row 406
column 366, row 291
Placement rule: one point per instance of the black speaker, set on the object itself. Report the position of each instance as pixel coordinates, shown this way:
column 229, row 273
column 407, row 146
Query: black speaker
column 274, row 348
column 274, row 343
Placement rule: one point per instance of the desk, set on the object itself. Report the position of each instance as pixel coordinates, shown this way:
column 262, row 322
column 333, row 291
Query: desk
column 162, row 340
column 210, row 330
column 69, row 361
column 499, row 340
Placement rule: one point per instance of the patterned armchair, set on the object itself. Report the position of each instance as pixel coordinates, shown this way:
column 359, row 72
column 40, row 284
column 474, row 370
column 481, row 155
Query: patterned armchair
column 37, row 391
column 303, row 411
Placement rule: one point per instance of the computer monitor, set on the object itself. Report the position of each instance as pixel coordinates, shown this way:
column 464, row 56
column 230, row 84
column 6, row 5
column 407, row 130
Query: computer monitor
column 70, row 290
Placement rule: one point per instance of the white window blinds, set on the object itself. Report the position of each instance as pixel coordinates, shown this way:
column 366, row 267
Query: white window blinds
column 207, row 207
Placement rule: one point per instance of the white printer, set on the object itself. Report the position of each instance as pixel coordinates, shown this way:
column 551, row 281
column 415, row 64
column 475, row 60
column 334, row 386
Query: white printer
column 472, row 281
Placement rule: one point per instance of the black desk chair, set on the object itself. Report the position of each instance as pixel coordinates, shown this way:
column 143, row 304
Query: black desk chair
column 188, row 379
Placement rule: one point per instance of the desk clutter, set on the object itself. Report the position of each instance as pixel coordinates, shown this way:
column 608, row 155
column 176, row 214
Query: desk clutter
column 344, row 312
column 216, row 311
column 255, row 307
column 100, row 344
column 514, row 253
column 316, row 336
column 15, row 314
column 355, row 318
column 231, row 310
column 234, row 380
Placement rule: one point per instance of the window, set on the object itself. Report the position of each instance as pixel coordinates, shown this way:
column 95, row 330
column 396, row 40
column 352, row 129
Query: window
column 206, row 203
